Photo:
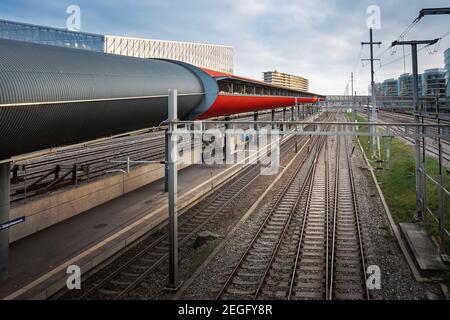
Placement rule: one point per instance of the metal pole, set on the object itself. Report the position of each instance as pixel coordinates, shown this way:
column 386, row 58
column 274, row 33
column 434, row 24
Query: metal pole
column 166, row 159
column 255, row 119
column 372, row 129
column 374, row 98
column 255, row 126
column 225, row 144
column 173, row 190
column 419, row 212
column 273, row 118
column 442, row 234
column 368, row 112
column 292, row 116
column 5, row 169
column 424, row 177
column 284, row 119
column 419, row 191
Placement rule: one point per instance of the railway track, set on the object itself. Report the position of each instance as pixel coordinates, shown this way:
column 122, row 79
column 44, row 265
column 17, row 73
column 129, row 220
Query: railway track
column 347, row 264
column 248, row 276
column 131, row 273
column 310, row 244
column 92, row 160
column 79, row 164
column 431, row 145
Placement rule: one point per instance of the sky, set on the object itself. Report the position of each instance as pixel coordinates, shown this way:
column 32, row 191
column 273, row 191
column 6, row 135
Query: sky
column 316, row 39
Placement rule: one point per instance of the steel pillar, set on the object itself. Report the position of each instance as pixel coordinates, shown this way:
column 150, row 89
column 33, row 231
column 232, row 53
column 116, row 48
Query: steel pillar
column 419, row 200
column 273, row 118
column 255, row 126
column 174, row 281
column 166, row 159
column 225, row 141
column 442, row 246
column 5, row 169
column 292, row 114
column 255, row 118
column 374, row 99
column 420, row 196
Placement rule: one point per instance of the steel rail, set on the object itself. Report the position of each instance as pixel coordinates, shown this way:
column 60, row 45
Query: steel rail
column 249, row 171
column 355, row 209
column 335, row 209
column 305, row 219
column 160, row 240
column 262, row 226
column 308, row 183
column 358, row 223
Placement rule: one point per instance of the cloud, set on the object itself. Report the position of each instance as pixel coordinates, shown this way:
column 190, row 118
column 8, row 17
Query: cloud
column 318, row 39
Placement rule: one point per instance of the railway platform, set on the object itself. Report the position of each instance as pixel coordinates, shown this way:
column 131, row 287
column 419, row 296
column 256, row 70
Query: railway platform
column 38, row 263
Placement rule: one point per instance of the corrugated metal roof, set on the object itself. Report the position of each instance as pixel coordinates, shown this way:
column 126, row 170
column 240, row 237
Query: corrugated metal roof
column 64, row 81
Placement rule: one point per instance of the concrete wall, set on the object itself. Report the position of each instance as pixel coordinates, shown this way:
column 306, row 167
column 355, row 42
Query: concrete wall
column 45, row 212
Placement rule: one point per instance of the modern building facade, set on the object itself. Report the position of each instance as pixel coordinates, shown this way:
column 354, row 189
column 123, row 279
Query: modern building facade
column 286, row 80
column 405, row 85
column 434, row 83
column 389, row 87
column 214, row 57
column 50, row 36
column 447, row 69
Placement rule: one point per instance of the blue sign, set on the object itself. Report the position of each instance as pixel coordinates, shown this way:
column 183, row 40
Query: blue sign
column 11, row 223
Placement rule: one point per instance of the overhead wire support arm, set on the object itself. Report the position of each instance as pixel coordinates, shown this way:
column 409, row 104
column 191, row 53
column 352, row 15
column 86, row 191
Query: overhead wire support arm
column 420, row 205
column 414, row 42
column 373, row 94
column 433, row 11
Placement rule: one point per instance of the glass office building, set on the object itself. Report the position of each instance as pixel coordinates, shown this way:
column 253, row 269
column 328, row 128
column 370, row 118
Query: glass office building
column 389, row 87
column 51, row 36
column 434, row 82
column 405, row 85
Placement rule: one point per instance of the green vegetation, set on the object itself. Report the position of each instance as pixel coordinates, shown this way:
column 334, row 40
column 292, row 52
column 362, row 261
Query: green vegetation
column 201, row 255
column 397, row 181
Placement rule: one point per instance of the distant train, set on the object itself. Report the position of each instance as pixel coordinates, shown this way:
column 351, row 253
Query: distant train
column 370, row 108
column 53, row 96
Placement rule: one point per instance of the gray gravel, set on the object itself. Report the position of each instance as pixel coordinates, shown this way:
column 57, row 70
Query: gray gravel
column 397, row 280
column 215, row 273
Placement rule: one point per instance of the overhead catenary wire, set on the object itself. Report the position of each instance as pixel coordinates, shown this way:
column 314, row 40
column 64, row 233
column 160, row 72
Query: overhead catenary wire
column 400, row 37
column 382, row 65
